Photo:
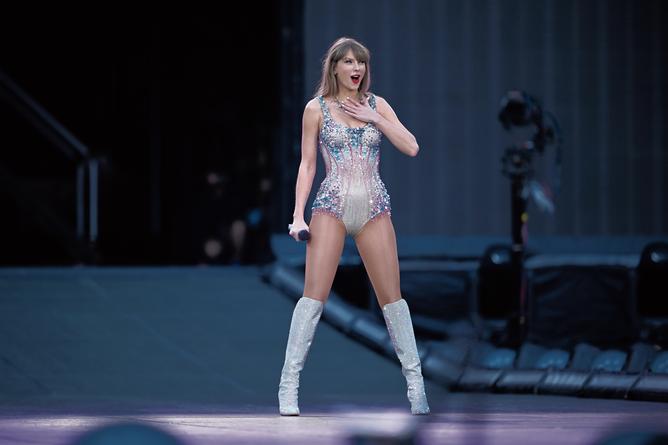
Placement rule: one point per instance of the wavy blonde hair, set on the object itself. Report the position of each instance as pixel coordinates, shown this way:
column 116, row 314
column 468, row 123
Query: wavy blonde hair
column 328, row 85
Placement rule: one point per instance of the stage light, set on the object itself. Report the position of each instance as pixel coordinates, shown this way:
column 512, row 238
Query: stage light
column 658, row 253
column 520, row 109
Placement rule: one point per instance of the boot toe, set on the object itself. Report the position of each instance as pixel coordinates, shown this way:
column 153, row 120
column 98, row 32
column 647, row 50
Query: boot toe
column 420, row 411
column 289, row 411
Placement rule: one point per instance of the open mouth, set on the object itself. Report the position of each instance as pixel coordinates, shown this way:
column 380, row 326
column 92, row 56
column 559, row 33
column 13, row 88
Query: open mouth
column 355, row 79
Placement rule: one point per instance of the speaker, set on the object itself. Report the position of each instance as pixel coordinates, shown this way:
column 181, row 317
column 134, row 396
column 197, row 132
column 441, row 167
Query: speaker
column 653, row 387
column 653, row 281
column 498, row 296
column 580, row 300
column 478, row 379
column 440, row 294
column 520, row 380
column 563, row 382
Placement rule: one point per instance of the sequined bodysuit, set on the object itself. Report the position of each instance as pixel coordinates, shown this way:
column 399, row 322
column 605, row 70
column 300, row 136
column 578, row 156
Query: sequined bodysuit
column 352, row 190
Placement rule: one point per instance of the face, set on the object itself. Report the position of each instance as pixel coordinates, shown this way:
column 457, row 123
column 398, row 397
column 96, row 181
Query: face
column 349, row 71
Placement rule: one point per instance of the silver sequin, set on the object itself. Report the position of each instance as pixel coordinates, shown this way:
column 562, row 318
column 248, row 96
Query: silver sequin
column 352, row 190
column 305, row 319
column 400, row 327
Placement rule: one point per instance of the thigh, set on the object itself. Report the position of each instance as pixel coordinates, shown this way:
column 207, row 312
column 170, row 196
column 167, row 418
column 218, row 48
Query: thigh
column 377, row 246
column 323, row 252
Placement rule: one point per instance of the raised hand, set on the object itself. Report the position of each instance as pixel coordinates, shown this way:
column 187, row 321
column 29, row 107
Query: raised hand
column 361, row 111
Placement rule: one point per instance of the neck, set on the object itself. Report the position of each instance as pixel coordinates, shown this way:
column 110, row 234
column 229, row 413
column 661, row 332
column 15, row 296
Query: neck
column 344, row 92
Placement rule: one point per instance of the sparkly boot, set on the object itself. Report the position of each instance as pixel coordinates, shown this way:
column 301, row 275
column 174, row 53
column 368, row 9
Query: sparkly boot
column 399, row 324
column 305, row 319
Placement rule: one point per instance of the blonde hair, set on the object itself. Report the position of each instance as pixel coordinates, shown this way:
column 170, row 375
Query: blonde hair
column 328, row 85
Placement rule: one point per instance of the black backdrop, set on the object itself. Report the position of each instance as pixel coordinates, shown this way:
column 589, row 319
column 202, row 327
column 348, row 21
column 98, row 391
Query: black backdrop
column 180, row 107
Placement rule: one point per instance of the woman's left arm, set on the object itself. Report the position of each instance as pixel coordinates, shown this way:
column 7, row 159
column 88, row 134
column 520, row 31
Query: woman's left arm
column 386, row 120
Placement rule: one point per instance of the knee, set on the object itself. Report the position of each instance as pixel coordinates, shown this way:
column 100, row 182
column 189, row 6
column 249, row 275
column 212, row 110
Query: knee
column 387, row 293
column 384, row 299
column 315, row 296
column 316, row 290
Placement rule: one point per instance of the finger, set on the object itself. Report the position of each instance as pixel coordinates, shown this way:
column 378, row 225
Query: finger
column 350, row 105
column 351, row 102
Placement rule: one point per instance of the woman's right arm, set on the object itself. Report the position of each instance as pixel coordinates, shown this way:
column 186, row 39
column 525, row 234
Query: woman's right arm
column 307, row 166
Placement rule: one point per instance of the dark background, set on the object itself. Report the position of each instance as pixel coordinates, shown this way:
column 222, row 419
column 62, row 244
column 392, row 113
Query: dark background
column 600, row 66
column 181, row 108
column 195, row 115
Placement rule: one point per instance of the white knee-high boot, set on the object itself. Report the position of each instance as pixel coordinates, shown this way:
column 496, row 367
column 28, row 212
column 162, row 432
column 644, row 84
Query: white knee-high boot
column 305, row 319
column 400, row 326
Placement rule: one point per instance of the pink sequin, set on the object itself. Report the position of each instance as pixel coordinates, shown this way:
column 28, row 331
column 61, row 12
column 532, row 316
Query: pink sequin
column 352, row 190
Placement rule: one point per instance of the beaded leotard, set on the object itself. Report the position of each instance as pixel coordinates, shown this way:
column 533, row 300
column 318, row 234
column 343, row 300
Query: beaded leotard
column 352, row 190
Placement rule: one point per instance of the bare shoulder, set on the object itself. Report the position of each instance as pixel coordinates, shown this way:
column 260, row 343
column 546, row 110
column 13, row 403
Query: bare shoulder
column 312, row 112
column 384, row 108
column 381, row 103
column 312, row 106
column 312, row 109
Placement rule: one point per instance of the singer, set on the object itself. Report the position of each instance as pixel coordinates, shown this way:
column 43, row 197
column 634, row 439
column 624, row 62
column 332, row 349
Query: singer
column 346, row 122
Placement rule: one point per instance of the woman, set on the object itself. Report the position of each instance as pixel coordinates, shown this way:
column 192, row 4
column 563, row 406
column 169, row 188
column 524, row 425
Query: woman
column 347, row 123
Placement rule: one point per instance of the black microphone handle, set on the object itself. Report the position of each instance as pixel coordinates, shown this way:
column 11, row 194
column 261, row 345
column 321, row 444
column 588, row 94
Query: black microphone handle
column 303, row 235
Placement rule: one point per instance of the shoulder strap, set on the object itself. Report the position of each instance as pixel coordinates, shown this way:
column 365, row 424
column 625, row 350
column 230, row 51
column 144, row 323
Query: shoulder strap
column 323, row 106
column 372, row 101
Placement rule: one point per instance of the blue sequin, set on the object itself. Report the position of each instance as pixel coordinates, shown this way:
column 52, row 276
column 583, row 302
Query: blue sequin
column 352, row 190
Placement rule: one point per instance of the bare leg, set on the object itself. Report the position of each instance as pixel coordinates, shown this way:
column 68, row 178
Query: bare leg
column 377, row 245
column 323, row 252
column 378, row 248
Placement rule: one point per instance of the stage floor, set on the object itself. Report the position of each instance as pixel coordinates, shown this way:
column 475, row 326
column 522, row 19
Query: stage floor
column 197, row 352
column 459, row 418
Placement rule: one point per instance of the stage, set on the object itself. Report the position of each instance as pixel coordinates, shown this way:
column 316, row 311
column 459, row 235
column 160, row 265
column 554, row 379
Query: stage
column 472, row 419
column 148, row 281
column 196, row 352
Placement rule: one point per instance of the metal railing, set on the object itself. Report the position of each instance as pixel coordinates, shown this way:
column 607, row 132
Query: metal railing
column 86, row 179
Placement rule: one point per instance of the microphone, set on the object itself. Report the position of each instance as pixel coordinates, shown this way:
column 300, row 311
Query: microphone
column 303, row 235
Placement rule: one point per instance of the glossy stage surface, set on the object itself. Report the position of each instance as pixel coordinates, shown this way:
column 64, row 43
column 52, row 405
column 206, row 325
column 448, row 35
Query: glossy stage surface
column 456, row 419
column 195, row 353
